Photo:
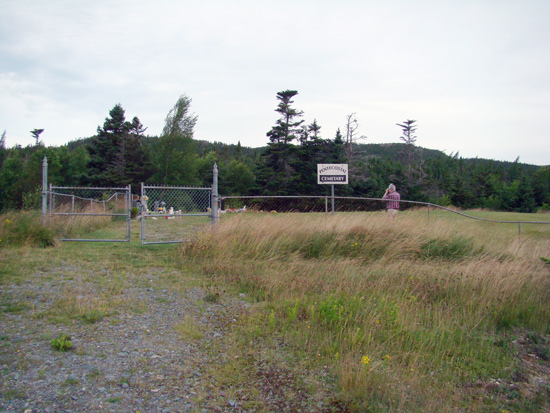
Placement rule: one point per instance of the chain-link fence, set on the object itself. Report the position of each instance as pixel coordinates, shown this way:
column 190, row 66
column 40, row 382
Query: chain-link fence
column 91, row 214
column 173, row 214
column 486, row 223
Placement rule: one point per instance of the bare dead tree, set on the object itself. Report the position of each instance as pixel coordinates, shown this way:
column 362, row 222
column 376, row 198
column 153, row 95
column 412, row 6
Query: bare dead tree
column 351, row 138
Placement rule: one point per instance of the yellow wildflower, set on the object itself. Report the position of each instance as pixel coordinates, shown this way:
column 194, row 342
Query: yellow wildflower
column 387, row 357
column 365, row 360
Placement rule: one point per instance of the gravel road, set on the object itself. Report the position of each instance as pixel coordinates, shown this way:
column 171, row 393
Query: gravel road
column 134, row 360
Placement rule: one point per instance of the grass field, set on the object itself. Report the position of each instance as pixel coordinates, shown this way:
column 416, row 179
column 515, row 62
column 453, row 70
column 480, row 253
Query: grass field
column 402, row 315
column 410, row 315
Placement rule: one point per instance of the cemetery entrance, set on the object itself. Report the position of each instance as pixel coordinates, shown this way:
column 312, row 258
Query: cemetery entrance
column 91, row 214
column 171, row 214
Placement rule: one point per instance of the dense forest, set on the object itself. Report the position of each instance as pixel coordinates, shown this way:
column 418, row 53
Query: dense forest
column 121, row 154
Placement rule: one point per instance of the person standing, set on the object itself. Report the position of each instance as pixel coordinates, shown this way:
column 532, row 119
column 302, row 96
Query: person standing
column 392, row 205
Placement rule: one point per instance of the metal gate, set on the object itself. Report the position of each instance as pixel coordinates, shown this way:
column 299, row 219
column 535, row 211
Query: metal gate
column 91, row 214
column 172, row 214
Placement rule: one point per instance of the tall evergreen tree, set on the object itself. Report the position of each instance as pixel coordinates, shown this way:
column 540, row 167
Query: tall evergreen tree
column 36, row 134
column 117, row 156
column 175, row 155
column 11, row 182
column 276, row 171
column 3, row 150
column 287, row 127
column 408, row 129
column 104, row 147
column 541, row 185
column 314, row 130
column 337, row 152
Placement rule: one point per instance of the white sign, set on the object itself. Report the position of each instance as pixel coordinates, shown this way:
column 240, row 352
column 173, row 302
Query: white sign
column 332, row 173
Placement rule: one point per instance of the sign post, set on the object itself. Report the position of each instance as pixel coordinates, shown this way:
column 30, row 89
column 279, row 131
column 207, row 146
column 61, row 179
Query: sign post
column 332, row 174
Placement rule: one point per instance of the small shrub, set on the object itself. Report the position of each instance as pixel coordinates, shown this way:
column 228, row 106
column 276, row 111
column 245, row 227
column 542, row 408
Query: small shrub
column 134, row 211
column 444, row 201
column 25, row 228
column 339, row 311
column 42, row 237
column 62, row 342
column 33, row 199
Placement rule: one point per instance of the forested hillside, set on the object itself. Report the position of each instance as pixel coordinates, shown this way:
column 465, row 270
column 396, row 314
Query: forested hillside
column 121, row 154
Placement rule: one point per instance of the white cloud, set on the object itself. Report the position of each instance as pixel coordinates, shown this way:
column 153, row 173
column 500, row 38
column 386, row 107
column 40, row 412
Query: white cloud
column 473, row 73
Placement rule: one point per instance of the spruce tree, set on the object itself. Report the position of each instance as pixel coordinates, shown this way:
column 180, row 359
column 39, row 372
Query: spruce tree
column 287, row 127
column 408, row 130
column 117, row 156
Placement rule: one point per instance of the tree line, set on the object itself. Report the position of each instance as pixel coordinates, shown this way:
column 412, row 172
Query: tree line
column 122, row 154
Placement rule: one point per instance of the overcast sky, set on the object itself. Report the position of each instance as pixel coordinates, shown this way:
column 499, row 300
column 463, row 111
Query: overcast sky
column 474, row 74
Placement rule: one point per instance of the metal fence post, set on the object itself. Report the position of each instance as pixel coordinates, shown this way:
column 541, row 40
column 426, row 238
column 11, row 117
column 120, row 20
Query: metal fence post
column 128, row 210
column 52, row 206
column 44, row 190
column 332, row 194
column 215, row 213
column 142, row 212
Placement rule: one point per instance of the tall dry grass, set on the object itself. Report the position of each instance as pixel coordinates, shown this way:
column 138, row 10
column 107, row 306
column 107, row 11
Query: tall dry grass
column 408, row 313
column 26, row 228
column 76, row 226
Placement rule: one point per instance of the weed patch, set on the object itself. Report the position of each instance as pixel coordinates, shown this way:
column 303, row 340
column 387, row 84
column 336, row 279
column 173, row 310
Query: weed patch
column 25, row 228
column 62, row 342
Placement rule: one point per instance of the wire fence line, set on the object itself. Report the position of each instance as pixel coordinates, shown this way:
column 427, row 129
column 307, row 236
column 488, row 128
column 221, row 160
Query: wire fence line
column 65, row 201
column 193, row 208
column 330, row 205
column 85, row 211
column 172, row 214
